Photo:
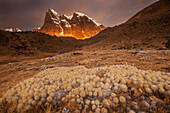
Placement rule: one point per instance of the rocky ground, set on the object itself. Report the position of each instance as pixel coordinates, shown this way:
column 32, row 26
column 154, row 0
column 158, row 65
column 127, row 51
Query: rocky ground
column 149, row 60
column 13, row 73
column 141, row 87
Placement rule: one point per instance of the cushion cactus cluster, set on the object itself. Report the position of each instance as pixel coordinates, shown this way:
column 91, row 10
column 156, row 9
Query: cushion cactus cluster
column 82, row 86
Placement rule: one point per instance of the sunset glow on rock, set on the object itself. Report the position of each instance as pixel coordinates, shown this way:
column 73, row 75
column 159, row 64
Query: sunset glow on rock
column 77, row 25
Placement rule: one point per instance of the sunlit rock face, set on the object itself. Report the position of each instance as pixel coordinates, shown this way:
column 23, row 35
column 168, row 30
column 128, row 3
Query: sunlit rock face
column 77, row 25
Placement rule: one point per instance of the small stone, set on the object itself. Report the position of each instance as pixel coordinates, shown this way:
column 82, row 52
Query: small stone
column 87, row 102
column 116, row 100
column 72, row 100
column 97, row 102
column 113, row 95
column 100, row 94
column 104, row 110
column 146, row 104
column 128, row 98
column 148, row 90
column 136, row 107
column 134, row 103
column 124, row 88
column 95, row 94
column 142, row 97
column 49, row 99
column 93, row 107
column 20, row 106
column 90, row 93
column 161, row 90
column 97, row 110
column 154, row 88
column 28, row 107
column 122, row 99
column 128, row 109
column 77, row 111
column 33, row 103
column 82, row 94
column 131, row 111
column 153, row 104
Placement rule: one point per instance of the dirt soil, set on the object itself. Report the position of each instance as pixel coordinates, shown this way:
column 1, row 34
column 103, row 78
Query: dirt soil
column 16, row 69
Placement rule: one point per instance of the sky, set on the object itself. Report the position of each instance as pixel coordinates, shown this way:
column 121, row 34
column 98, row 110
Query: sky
column 28, row 14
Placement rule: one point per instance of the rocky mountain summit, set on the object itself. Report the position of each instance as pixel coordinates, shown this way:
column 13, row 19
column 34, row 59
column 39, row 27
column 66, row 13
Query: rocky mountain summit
column 77, row 25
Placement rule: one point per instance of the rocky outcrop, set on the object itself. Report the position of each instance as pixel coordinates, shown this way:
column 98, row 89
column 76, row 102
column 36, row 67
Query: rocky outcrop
column 13, row 30
column 77, row 25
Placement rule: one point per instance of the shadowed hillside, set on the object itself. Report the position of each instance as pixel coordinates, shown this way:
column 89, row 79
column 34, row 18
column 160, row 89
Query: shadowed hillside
column 148, row 29
column 33, row 42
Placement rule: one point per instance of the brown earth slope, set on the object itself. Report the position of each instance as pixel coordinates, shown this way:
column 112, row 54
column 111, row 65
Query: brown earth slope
column 148, row 29
column 33, row 42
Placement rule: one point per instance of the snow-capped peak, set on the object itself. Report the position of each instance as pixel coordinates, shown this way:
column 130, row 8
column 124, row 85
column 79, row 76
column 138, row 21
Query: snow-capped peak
column 68, row 17
column 78, row 14
column 13, row 30
column 37, row 28
column 70, row 25
column 9, row 29
column 81, row 14
column 54, row 12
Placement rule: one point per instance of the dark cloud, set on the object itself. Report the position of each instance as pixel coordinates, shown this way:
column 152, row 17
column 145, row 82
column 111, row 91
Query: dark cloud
column 27, row 14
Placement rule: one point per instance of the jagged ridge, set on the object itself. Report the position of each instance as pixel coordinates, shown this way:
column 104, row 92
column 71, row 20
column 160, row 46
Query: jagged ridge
column 77, row 25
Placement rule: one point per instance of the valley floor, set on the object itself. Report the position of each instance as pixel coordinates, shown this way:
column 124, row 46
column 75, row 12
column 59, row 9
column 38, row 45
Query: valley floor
column 21, row 68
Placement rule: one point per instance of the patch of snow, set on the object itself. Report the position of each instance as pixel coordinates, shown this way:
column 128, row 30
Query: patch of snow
column 81, row 14
column 56, row 22
column 98, row 24
column 54, row 12
column 63, row 20
column 68, row 25
column 54, row 19
column 38, row 28
column 10, row 30
column 69, row 17
column 13, row 30
column 17, row 30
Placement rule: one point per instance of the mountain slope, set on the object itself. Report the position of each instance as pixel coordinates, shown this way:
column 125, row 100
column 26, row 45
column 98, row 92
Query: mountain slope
column 148, row 29
column 27, row 43
column 77, row 25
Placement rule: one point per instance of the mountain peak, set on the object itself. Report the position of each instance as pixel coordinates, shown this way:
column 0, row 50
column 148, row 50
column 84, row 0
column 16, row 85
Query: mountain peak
column 13, row 30
column 53, row 12
column 68, row 16
column 80, row 14
column 77, row 25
